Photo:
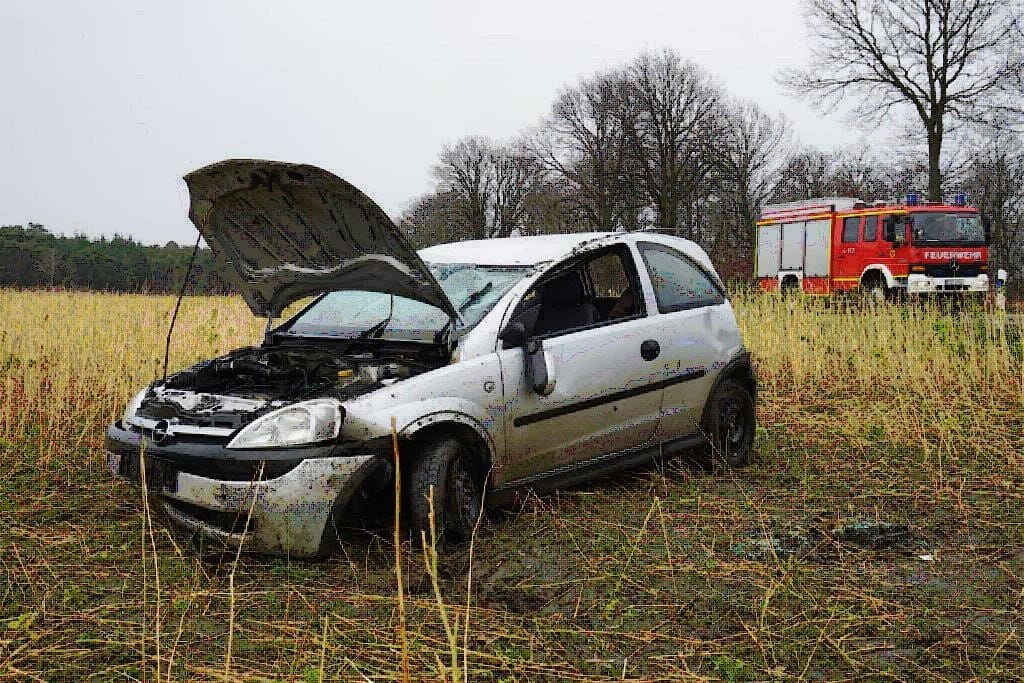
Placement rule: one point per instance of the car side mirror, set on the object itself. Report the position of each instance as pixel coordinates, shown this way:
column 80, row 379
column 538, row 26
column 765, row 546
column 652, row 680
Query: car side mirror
column 537, row 368
column 986, row 225
column 514, row 334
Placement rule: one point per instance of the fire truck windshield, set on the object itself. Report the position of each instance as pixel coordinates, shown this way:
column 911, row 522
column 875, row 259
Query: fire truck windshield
column 948, row 229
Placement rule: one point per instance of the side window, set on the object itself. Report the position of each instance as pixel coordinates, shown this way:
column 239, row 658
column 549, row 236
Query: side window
column 851, row 226
column 613, row 292
column 678, row 282
column 870, row 228
column 587, row 293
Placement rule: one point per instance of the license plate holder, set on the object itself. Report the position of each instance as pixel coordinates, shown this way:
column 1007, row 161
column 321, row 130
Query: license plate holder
column 160, row 475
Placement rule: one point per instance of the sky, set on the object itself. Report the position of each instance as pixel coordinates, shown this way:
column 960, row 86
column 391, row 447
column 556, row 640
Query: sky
column 104, row 106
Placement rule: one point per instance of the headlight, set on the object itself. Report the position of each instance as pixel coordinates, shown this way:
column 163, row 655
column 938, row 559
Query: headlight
column 133, row 406
column 303, row 423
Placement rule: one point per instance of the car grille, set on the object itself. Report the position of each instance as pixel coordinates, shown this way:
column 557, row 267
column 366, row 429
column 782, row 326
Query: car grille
column 162, row 473
column 232, row 522
column 166, row 411
column 971, row 270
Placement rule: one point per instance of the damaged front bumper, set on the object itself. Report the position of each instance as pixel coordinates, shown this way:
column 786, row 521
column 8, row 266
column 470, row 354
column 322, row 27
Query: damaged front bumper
column 220, row 495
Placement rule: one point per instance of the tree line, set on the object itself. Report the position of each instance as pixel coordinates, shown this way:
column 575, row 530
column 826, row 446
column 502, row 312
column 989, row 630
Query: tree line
column 33, row 257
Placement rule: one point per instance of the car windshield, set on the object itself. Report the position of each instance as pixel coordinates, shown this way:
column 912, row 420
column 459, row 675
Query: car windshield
column 472, row 289
column 948, row 229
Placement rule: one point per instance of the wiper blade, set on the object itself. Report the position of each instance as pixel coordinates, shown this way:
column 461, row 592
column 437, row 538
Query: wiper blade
column 377, row 329
column 475, row 297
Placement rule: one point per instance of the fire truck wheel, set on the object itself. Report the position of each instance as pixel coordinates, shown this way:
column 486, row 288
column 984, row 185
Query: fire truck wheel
column 874, row 287
column 730, row 423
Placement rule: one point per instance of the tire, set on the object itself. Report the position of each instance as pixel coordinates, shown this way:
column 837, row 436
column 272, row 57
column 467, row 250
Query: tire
column 444, row 466
column 790, row 287
column 730, row 423
column 875, row 290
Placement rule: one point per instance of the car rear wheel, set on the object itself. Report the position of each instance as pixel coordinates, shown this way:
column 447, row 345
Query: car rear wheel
column 445, row 470
column 730, row 423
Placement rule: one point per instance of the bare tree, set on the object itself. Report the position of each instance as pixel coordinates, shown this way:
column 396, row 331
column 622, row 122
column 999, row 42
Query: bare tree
column 582, row 141
column 949, row 61
column 751, row 160
column 672, row 118
column 860, row 173
column 516, row 175
column 996, row 181
column 806, row 173
column 465, row 169
column 434, row 218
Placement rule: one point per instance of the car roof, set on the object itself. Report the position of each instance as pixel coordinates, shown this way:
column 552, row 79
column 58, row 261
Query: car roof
column 534, row 250
column 512, row 251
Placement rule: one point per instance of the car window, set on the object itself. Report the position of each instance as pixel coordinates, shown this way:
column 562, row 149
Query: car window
column 870, row 228
column 472, row 289
column 598, row 290
column 613, row 291
column 851, row 226
column 679, row 283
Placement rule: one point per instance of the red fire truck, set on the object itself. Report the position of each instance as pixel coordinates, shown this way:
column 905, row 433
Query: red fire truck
column 835, row 244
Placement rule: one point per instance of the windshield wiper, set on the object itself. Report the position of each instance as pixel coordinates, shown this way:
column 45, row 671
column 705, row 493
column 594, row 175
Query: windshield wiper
column 377, row 329
column 475, row 297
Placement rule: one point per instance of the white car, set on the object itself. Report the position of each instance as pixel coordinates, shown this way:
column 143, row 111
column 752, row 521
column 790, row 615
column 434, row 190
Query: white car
column 503, row 364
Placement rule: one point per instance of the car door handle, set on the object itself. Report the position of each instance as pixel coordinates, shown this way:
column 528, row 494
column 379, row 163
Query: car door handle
column 650, row 350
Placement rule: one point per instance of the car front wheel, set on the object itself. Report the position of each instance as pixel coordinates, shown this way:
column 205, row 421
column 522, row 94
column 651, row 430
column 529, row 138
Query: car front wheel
column 445, row 470
column 729, row 423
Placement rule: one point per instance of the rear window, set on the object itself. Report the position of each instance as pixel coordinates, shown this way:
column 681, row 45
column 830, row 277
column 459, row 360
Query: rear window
column 679, row 283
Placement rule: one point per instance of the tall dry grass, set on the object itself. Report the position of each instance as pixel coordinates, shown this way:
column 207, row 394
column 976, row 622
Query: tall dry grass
column 69, row 362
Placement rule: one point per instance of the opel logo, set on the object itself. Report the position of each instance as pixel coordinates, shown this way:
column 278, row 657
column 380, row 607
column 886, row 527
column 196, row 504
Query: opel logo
column 161, row 431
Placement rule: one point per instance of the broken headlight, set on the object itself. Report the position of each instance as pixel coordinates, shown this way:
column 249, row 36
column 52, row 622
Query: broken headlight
column 299, row 424
column 133, row 406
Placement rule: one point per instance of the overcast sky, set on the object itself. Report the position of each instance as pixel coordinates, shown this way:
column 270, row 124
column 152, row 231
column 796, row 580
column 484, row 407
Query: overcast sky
column 104, row 108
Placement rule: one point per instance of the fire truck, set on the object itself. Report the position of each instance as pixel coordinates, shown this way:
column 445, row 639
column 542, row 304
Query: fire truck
column 836, row 244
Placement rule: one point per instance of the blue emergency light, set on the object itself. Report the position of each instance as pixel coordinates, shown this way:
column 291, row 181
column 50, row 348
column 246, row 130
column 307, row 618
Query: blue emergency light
column 960, row 199
column 913, row 198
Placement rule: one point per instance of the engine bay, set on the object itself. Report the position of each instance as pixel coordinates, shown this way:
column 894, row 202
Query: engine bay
column 231, row 390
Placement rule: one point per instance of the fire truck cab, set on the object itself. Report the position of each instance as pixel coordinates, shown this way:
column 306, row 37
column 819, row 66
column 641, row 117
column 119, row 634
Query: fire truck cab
column 835, row 244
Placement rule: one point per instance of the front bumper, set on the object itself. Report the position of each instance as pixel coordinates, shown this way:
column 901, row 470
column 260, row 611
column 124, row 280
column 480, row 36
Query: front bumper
column 289, row 512
column 925, row 284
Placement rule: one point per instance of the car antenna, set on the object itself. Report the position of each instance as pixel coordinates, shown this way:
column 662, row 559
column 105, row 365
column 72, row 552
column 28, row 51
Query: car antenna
column 181, row 295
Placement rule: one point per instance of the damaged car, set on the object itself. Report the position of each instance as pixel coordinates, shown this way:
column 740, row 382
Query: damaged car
column 500, row 366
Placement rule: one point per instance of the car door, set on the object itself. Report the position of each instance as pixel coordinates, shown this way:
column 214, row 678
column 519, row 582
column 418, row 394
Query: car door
column 697, row 329
column 847, row 259
column 605, row 396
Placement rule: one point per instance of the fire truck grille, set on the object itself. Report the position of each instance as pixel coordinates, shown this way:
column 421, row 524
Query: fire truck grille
column 947, row 271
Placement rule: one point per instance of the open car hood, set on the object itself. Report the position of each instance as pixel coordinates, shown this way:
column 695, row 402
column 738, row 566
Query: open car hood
column 281, row 231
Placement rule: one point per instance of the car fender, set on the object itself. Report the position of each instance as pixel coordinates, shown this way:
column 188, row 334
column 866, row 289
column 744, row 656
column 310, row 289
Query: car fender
column 890, row 281
column 413, row 417
column 740, row 361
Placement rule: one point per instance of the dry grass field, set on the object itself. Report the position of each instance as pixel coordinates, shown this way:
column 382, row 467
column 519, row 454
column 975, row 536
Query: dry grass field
column 878, row 534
